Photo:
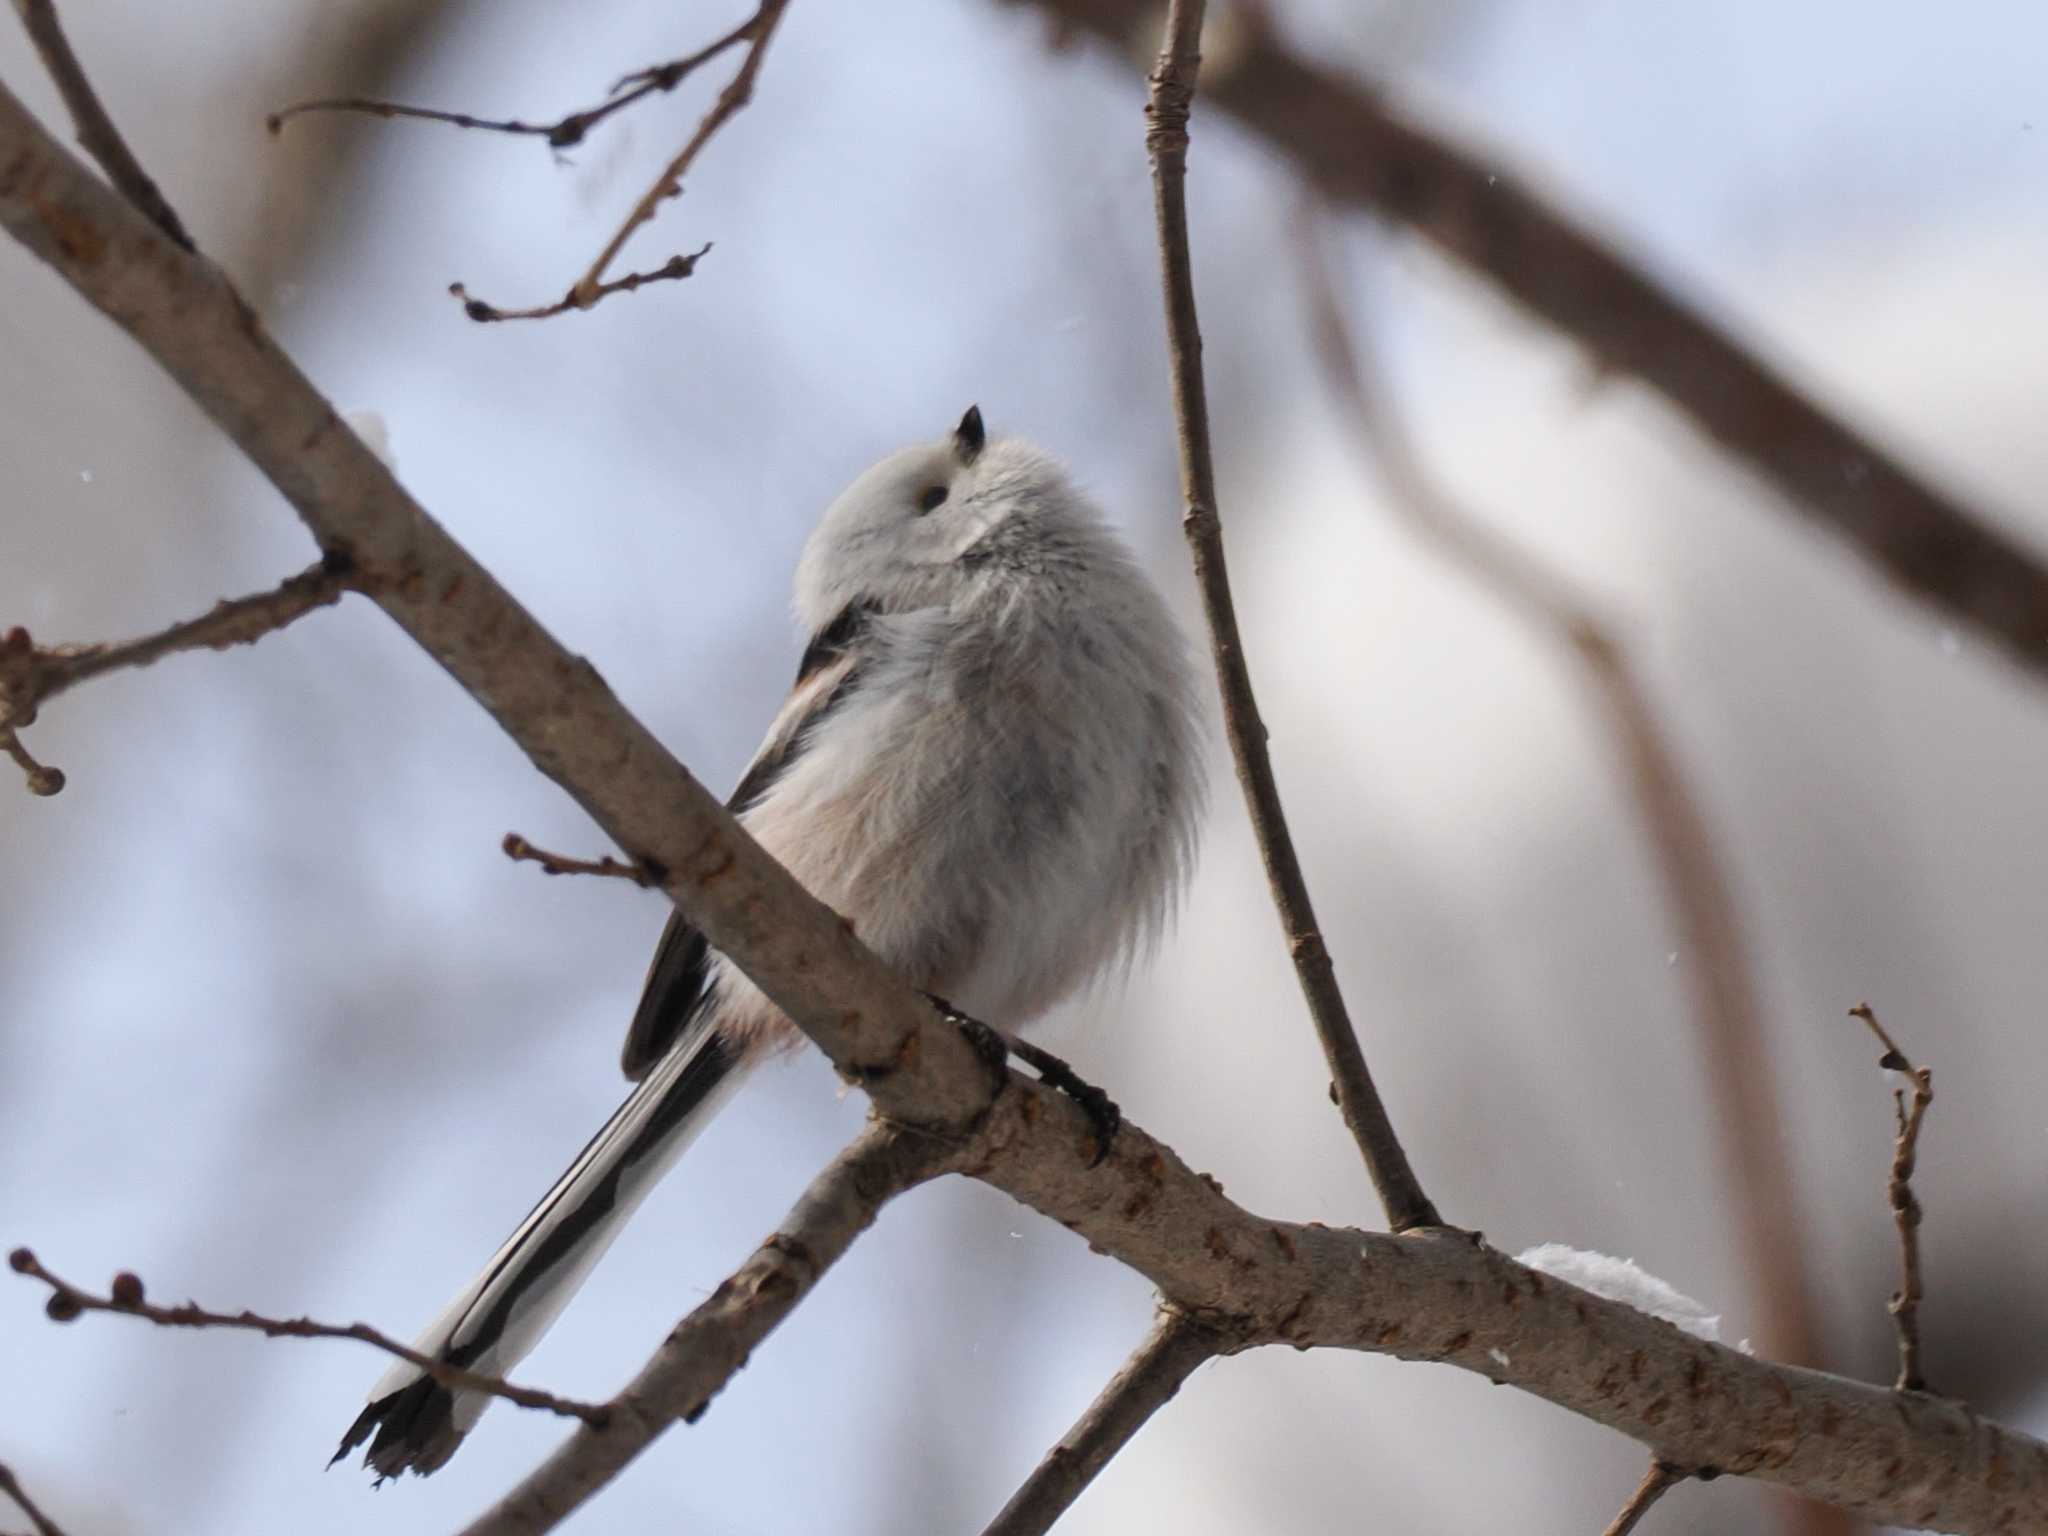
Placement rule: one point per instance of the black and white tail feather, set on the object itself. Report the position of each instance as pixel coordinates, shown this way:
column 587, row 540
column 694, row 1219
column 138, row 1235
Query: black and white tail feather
column 988, row 764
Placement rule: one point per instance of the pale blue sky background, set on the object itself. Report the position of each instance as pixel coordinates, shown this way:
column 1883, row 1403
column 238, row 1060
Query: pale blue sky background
column 280, row 1028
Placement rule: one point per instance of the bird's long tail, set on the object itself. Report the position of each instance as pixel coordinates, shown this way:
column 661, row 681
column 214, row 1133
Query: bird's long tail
column 413, row 1423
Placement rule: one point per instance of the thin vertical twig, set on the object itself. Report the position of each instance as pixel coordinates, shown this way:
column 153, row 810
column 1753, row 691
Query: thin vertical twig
column 1176, row 1346
column 1166, row 139
column 1905, row 1303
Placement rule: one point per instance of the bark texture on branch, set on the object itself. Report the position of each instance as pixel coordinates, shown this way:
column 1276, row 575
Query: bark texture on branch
column 1346, row 140
column 1901, row 1458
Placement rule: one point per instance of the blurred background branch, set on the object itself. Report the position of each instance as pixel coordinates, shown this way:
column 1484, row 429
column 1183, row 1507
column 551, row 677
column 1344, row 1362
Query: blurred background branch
column 1351, row 1085
column 1731, row 1040
column 1345, row 140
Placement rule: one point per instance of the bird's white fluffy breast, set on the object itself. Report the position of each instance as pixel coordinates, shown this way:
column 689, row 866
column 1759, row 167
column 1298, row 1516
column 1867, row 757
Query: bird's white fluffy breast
column 1005, row 802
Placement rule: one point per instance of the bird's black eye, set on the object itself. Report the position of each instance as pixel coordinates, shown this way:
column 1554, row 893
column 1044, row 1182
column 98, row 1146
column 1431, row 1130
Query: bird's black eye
column 931, row 498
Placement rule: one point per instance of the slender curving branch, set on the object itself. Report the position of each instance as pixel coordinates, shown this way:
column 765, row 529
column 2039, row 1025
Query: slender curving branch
column 1897, row 1458
column 96, row 130
column 1148, row 1381
column 1166, row 140
column 1352, row 145
column 1905, row 1302
column 709, row 1346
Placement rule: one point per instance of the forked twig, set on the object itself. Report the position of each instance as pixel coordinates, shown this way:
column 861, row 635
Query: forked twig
column 669, row 183
column 1905, row 1302
column 31, row 675
column 560, row 134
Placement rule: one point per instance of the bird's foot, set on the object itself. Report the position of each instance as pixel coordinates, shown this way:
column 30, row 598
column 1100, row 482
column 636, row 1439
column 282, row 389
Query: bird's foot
column 996, row 1047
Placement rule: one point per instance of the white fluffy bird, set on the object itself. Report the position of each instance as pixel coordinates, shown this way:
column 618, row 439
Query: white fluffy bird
column 988, row 764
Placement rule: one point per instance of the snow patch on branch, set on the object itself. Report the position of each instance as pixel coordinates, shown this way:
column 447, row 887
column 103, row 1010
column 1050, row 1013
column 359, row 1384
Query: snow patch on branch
column 376, row 436
column 1625, row 1281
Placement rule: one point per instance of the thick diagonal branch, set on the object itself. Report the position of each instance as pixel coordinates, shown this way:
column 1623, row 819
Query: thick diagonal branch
column 1172, row 1351
column 1346, row 140
column 1899, row 1458
column 1172, row 94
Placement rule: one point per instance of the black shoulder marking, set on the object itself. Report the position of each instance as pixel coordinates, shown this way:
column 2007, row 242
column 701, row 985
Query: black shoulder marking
column 834, row 640
column 831, row 644
column 674, row 993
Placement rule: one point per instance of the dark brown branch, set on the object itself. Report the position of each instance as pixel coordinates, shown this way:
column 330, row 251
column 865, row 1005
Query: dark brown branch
column 593, row 287
column 1905, row 1302
column 519, row 849
column 67, row 1301
column 674, row 269
column 709, row 1346
column 96, row 130
column 1147, row 1383
column 31, row 675
column 669, row 183
column 560, row 134
column 1896, row 1458
column 10, row 1485
column 1659, row 1480
column 1727, row 1018
column 1166, row 139
column 1348, row 141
